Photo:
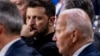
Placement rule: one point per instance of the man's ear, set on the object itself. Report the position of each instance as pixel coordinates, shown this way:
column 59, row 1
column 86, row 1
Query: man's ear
column 75, row 36
column 51, row 20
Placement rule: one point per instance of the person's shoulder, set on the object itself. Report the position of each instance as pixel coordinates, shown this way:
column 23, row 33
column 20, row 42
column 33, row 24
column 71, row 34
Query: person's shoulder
column 19, row 48
column 49, row 49
column 95, row 53
column 27, row 51
column 88, row 51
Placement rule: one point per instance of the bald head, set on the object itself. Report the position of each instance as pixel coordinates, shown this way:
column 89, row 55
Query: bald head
column 76, row 18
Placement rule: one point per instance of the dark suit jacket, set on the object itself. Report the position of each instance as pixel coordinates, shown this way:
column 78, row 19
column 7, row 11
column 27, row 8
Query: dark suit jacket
column 90, row 51
column 19, row 48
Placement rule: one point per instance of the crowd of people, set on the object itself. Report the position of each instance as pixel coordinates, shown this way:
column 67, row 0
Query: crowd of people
column 48, row 28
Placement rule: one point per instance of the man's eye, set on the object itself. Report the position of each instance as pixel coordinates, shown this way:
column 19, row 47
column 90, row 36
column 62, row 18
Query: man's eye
column 39, row 18
column 28, row 17
column 19, row 4
column 57, row 31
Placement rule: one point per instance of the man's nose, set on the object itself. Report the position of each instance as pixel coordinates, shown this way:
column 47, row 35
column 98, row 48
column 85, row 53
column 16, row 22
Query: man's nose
column 33, row 21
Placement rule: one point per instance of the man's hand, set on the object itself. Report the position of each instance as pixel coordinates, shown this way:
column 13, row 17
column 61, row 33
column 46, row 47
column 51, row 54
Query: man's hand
column 26, row 31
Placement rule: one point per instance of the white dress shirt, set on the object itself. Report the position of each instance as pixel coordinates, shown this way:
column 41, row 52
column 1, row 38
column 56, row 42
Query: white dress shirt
column 81, row 49
column 7, row 46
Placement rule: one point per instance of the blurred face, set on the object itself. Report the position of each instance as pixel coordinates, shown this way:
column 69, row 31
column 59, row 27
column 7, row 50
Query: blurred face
column 39, row 20
column 22, row 5
column 62, row 36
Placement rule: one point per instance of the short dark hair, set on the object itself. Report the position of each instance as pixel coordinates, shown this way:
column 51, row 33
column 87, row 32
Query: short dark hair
column 10, row 18
column 47, row 4
column 85, row 5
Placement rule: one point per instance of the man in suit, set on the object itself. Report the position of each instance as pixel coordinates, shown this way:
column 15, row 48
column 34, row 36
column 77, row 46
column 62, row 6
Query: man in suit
column 87, row 6
column 74, row 34
column 10, row 26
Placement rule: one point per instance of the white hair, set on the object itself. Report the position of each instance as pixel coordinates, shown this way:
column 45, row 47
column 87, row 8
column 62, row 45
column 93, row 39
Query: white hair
column 78, row 19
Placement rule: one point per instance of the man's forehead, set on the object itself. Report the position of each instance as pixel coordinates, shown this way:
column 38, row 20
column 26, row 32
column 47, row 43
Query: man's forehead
column 62, row 18
column 61, row 21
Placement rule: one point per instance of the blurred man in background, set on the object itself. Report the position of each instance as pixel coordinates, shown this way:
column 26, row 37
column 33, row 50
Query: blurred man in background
column 22, row 6
column 85, row 5
column 10, row 26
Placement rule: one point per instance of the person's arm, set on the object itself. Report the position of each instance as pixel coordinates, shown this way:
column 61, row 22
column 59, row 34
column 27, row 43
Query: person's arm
column 29, row 41
column 27, row 35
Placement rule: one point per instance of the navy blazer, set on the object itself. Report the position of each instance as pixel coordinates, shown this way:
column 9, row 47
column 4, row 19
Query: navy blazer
column 90, row 51
column 19, row 48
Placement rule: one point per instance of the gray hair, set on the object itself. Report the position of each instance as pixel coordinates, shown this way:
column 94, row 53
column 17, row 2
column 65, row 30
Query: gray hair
column 78, row 19
column 10, row 18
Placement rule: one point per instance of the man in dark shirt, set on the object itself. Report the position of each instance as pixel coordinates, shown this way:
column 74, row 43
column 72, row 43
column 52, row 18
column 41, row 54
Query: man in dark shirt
column 39, row 28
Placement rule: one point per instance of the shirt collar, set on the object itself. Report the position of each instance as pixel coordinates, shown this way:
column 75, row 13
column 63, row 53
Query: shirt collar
column 7, row 46
column 81, row 49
